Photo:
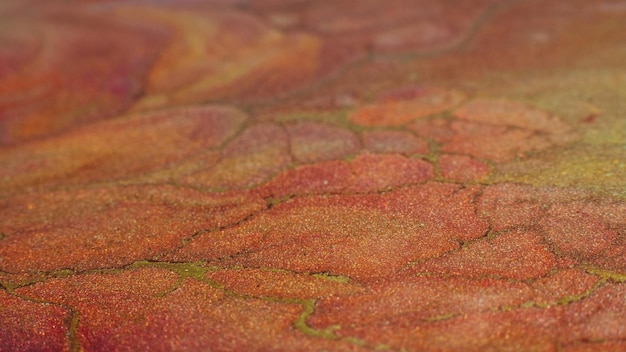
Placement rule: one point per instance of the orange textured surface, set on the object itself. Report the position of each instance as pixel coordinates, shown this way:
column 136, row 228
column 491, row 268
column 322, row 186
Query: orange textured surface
column 290, row 175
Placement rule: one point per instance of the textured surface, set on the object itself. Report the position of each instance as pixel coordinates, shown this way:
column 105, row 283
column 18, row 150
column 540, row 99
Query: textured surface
column 313, row 175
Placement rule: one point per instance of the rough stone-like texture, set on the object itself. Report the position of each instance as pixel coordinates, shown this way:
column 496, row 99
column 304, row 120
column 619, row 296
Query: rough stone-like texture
column 142, row 309
column 365, row 173
column 282, row 284
column 513, row 255
column 394, row 142
column 119, row 148
column 359, row 236
column 62, row 65
column 402, row 106
column 311, row 142
column 32, row 326
column 92, row 228
column 280, row 175
column 253, row 156
column 461, row 168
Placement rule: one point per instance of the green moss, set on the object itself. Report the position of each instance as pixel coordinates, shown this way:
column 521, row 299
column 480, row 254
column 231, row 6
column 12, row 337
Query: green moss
column 565, row 300
column 9, row 284
column 194, row 271
column 601, row 169
column 61, row 273
column 355, row 340
column 335, row 278
column 531, row 304
column 275, row 201
column 308, row 307
column 575, row 298
column 611, row 132
column 441, row 317
column 562, row 301
column 349, row 158
column 608, row 275
column 72, row 334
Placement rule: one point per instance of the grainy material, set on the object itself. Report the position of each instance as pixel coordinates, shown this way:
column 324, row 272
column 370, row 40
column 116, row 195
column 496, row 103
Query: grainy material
column 280, row 175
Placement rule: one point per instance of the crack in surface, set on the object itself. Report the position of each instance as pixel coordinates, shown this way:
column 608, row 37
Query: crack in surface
column 197, row 271
column 71, row 321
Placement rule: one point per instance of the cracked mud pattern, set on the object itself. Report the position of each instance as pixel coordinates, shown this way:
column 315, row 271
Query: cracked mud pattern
column 313, row 176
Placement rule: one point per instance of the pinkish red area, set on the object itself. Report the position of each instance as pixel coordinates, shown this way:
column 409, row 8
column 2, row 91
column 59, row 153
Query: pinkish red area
column 286, row 175
column 380, row 233
column 461, row 168
column 31, row 325
column 311, row 142
column 250, row 158
column 99, row 222
column 418, row 298
column 145, row 313
column 62, row 65
column 281, row 283
column 508, row 113
column 120, row 148
column 404, row 105
column 394, row 142
column 513, row 255
column 366, row 173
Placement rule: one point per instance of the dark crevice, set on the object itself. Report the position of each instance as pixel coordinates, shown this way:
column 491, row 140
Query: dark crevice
column 72, row 332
